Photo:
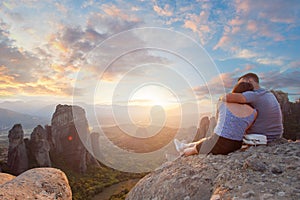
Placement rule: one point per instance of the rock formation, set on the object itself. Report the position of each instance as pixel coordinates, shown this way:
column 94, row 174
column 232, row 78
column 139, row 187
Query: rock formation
column 5, row 178
column 49, row 136
column 17, row 155
column 66, row 125
column 59, row 143
column 290, row 115
column 38, row 183
column 39, row 147
column 261, row 172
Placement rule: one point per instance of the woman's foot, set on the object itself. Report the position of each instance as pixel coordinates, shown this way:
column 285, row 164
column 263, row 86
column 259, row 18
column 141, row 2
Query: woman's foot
column 190, row 151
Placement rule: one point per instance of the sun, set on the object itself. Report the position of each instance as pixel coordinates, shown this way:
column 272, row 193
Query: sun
column 153, row 95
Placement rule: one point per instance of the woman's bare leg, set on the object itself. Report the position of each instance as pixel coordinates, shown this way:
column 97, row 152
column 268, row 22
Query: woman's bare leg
column 196, row 143
column 193, row 149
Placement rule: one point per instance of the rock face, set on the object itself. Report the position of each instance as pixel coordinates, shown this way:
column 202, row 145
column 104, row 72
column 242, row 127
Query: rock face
column 17, row 155
column 262, row 172
column 66, row 123
column 38, row 183
column 5, row 178
column 39, row 147
column 59, row 143
column 290, row 115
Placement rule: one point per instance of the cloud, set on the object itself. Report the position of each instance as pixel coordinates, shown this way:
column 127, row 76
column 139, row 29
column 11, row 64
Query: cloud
column 24, row 72
column 224, row 82
column 163, row 11
column 242, row 26
column 242, row 6
column 288, row 80
column 88, row 3
column 201, row 24
column 252, row 26
column 279, row 80
column 224, row 41
column 135, row 8
column 279, row 11
column 126, row 64
column 19, row 64
column 191, row 25
column 60, row 7
column 44, row 85
column 294, row 64
column 245, row 53
column 270, row 61
column 111, row 24
column 44, row 44
column 113, row 11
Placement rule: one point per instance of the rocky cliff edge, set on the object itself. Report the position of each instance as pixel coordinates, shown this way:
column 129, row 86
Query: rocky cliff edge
column 261, row 172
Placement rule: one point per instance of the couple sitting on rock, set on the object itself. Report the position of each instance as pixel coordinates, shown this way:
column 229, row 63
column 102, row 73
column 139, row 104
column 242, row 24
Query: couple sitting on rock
column 249, row 109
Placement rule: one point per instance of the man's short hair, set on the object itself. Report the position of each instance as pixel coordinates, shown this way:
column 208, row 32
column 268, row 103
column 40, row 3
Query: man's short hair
column 250, row 75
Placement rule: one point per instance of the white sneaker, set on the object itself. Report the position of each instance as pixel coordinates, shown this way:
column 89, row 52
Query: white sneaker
column 180, row 146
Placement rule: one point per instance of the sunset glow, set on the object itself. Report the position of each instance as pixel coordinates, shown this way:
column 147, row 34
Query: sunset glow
column 44, row 45
column 153, row 95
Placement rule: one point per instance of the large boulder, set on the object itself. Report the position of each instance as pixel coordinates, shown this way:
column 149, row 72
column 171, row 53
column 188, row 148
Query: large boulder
column 4, row 177
column 290, row 115
column 38, row 183
column 261, row 172
column 17, row 160
column 39, row 147
column 66, row 125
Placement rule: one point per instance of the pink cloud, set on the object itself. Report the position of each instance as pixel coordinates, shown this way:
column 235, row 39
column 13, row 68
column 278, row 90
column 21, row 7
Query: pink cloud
column 242, row 6
column 236, row 22
column 204, row 28
column 218, row 85
column 295, row 64
column 163, row 11
column 266, row 30
column 191, row 25
column 252, row 26
column 245, row 24
column 225, row 39
column 279, row 11
column 201, row 25
column 113, row 11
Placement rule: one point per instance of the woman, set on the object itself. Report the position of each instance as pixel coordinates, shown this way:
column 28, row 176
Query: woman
column 233, row 121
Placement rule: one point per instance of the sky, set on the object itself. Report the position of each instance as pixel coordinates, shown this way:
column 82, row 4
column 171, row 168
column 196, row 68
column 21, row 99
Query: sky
column 145, row 52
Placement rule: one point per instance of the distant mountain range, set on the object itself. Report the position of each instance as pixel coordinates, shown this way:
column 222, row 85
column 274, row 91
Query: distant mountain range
column 8, row 118
column 35, row 108
column 31, row 114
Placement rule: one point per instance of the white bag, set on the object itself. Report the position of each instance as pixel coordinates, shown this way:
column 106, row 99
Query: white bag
column 255, row 139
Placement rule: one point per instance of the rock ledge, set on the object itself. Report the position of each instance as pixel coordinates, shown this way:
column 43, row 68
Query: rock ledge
column 262, row 172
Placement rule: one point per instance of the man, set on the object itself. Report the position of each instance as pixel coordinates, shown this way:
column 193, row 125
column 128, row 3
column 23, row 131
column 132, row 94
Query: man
column 269, row 119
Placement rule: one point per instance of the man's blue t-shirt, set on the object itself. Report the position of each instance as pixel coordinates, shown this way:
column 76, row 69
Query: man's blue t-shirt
column 269, row 117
